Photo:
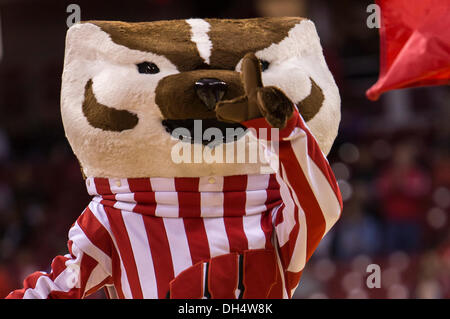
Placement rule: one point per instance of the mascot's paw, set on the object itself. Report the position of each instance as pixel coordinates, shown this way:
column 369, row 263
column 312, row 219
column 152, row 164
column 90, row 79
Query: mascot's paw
column 275, row 106
column 259, row 101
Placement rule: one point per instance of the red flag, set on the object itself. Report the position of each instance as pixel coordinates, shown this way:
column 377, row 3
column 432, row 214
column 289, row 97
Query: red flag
column 414, row 45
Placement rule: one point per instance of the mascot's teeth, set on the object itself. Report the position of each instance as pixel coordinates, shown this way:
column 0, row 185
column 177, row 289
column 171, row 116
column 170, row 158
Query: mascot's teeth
column 193, row 131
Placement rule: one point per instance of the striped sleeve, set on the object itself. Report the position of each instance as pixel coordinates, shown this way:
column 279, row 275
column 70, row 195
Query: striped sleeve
column 312, row 201
column 84, row 270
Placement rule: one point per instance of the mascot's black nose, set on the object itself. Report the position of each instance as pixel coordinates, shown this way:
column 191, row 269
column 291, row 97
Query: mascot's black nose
column 210, row 91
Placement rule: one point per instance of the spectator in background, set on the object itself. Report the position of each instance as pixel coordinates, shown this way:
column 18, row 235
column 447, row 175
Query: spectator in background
column 358, row 232
column 281, row 8
column 434, row 278
column 6, row 283
column 402, row 189
column 445, row 269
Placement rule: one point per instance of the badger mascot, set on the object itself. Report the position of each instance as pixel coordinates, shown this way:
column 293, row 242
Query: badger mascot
column 156, row 114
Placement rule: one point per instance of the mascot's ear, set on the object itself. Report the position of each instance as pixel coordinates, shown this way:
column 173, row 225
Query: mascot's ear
column 78, row 37
column 85, row 40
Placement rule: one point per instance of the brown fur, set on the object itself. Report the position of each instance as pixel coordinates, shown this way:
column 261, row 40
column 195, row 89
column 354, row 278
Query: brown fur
column 310, row 105
column 232, row 39
column 275, row 106
column 104, row 117
column 237, row 110
column 168, row 38
column 177, row 99
column 269, row 102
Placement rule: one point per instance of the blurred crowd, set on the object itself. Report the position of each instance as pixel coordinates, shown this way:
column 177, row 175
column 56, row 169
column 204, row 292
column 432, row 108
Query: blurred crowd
column 391, row 157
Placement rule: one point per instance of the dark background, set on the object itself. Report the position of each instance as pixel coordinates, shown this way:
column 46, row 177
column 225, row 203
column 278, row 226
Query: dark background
column 391, row 157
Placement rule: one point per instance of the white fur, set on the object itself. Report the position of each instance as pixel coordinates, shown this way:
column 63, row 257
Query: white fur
column 199, row 31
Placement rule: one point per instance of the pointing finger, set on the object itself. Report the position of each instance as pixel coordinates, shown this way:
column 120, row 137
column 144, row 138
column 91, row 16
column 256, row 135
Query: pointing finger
column 251, row 73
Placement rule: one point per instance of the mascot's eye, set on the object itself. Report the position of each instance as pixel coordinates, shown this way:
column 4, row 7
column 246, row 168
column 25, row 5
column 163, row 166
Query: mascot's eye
column 264, row 65
column 148, row 68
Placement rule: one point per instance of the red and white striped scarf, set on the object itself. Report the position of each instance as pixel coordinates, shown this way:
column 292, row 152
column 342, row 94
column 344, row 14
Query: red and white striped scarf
column 216, row 196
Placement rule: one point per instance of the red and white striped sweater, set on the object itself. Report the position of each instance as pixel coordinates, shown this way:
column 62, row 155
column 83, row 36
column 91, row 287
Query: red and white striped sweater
column 244, row 236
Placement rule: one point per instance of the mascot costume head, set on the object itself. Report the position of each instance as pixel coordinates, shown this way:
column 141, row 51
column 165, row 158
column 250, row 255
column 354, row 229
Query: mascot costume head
column 135, row 98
